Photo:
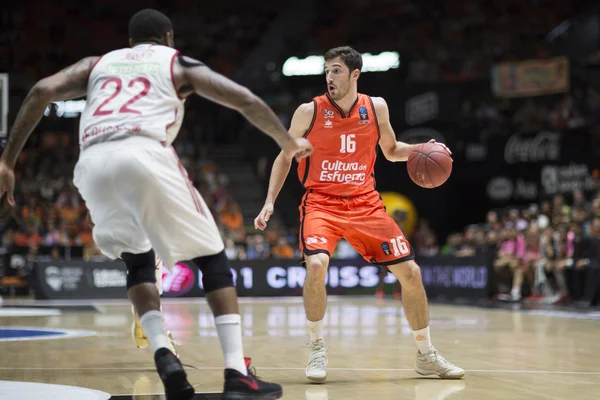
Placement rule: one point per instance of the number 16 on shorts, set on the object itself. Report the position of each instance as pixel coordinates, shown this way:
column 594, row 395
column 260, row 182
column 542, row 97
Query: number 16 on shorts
column 400, row 246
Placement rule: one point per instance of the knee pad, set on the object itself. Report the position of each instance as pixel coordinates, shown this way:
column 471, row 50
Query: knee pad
column 216, row 272
column 140, row 268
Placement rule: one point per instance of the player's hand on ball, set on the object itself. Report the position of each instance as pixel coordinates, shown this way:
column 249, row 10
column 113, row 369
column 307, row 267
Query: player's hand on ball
column 260, row 222
column 441, row 144
column 297, row 148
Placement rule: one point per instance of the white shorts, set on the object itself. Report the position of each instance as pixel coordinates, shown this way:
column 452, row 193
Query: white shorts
column 139, row 197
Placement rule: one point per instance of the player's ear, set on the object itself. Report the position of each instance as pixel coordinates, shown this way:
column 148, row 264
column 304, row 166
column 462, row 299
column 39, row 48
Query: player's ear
column 355, row 74
column 169, row 40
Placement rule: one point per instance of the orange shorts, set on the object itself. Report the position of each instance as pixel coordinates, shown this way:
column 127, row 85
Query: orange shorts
column 361, row 220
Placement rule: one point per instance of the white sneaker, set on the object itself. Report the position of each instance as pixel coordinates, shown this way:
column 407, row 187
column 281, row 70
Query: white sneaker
column 434, row 364
column 317, row 362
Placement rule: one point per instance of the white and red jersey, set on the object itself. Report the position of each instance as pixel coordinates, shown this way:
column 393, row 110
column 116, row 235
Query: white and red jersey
column 132, row 92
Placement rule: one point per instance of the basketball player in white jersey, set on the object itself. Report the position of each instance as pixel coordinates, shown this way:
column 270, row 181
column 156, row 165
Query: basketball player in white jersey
column 136, row 190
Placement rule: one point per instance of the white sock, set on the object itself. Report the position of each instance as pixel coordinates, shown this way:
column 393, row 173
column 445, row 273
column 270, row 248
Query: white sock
column 154, row 327
column 423, row 340
column 316, row 330
column 229, row 329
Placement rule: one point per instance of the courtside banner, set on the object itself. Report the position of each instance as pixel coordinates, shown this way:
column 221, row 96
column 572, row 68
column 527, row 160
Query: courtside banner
column 80, row 280
column 531, row 78
column 444, row 277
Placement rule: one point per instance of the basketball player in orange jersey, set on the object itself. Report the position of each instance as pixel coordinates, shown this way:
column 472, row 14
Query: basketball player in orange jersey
column 344, row 128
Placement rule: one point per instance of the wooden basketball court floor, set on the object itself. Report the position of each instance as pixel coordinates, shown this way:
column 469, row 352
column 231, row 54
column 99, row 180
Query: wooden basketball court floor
column 507, row 354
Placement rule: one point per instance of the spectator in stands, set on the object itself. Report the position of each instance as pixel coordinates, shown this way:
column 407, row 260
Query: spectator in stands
column 231, row 216
column 586, row 257
column 508, row 262
column 230, row 249
column 492, row 223
column 256, row 247
column 282, row 250
column 563, row 240
column 453, row 244
column 429, row 247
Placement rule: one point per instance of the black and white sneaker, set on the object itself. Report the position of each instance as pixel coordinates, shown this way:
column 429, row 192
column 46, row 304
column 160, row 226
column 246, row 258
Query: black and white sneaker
column 242, row 387
column 173, row 376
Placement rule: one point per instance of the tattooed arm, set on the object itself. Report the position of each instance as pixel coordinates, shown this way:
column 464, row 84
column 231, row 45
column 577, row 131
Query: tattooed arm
column 192, row 76
column 69, row 83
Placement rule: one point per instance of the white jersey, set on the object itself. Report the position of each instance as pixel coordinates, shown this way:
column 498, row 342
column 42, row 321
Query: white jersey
column 132, row 92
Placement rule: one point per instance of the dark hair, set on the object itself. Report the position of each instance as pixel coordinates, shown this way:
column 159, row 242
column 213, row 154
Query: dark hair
column 149, row 25
column 349, row 56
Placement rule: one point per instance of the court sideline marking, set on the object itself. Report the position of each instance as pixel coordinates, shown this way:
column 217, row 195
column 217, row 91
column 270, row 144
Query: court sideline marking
column 501, row 371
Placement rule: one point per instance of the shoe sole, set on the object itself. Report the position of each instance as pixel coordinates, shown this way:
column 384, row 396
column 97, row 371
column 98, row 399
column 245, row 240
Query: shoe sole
column 427, row 373
column 316, row 378
column 177, row 387
column 250, row 396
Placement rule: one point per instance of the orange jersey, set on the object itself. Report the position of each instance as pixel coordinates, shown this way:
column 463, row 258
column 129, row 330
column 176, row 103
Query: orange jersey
column 343, row 159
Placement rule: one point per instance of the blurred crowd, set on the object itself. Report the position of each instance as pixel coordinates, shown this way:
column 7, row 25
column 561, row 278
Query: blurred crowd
column 61, row 33
column 440, row 40
column 547, row 252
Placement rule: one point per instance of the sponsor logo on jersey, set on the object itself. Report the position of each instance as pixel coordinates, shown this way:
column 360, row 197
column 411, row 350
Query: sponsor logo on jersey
column 385, row 246
column 328, row 124
column 328, row 114
column 364, row 115
column 102, row 129
column 343, row 172
column 146, row 68
column 316, row 239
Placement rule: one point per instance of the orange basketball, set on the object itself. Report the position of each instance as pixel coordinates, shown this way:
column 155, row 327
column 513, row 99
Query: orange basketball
column 429, row 165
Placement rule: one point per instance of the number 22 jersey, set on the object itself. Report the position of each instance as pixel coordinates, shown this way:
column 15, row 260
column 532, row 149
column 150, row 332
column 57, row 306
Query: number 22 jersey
column 132, row 91
column 343, row 160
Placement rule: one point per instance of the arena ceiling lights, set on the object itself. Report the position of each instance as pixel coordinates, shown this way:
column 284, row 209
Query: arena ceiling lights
column 315, row 65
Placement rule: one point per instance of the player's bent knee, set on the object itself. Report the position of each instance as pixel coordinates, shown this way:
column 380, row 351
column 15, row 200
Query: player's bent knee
column 316, row 268
column 216, row 272
column 408, row 273
column 140, row 268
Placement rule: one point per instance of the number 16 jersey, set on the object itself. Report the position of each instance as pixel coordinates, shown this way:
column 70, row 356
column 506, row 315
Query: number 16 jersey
column 343, row 160
column 132, row 92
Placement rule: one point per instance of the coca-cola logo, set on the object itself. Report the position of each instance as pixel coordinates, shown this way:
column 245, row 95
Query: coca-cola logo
column 545, row 146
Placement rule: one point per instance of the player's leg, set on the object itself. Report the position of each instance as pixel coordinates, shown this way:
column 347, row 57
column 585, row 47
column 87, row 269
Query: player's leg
column 414, row 299
column 315, row 304
column 109, row 189
column 137, row 331
column 319, row 234
column 385, row 245
column 188, row 232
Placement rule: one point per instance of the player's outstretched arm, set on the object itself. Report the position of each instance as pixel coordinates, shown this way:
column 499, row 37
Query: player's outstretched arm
column 69, row 83
column 392, row 149
column 281, row 167
column 194, row 76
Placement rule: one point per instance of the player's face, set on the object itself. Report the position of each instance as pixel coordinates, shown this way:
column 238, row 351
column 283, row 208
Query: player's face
column 339, row 78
